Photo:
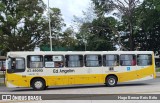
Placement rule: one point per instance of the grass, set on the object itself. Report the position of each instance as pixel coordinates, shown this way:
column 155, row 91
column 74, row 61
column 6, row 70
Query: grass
column 158, row 70
column 2, row 84
column 1, row 76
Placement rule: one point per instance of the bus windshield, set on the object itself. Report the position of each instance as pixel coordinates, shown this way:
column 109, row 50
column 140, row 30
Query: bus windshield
column 8, row 62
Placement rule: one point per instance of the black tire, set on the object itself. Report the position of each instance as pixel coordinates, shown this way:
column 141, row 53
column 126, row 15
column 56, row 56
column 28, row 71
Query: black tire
column 111, row 81
column 38, row 84
column 46, row 87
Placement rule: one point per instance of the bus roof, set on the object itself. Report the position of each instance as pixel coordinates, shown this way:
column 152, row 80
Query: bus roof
column 75, row 52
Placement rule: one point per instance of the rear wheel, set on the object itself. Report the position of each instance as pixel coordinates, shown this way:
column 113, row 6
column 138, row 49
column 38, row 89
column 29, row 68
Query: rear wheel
column 111, row 81
column 38, row 84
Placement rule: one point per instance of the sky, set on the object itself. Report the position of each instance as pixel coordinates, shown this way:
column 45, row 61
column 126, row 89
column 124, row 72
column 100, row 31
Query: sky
column 69, row 8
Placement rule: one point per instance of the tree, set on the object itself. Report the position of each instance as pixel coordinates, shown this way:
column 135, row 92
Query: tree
column 21, row 24
column 57, row 23
column 24, row 25
column 94, row 31
column 100, row 36
column 148, row 34
column 68, row 39
column 84, row 34
column 127, row 9
column 82, row 24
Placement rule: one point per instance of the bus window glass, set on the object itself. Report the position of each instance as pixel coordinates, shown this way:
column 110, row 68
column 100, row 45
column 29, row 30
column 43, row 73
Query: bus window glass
column 144, row 59
column 53, row 61
column 127, row 60
column 15, row 63
column 110, row 60
column 20, row 64
column 0, row 65
column 36, row 58
column 4, row 64
column 9, row 63
column 74, row 60
column 93, row 60
column 35, row 61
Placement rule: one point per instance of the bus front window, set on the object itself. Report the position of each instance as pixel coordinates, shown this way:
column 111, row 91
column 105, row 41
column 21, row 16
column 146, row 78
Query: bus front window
column 16, row 65
column 9, row 62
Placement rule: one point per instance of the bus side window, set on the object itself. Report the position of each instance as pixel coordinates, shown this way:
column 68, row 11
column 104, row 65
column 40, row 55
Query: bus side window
column 74, row 60
column 127, row 60
column 93, row 60
column 111, row 60
column 20, row 63
column 35, row 61
column 144, row 59
column 133, row 63
column 54, row 61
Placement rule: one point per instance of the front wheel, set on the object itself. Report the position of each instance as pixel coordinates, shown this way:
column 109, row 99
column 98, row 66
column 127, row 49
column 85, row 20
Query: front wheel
column 111, row 81
column 38, row 84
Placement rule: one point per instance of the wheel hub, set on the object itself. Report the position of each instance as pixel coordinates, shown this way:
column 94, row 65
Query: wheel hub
column 38, row 84
column 111, row 81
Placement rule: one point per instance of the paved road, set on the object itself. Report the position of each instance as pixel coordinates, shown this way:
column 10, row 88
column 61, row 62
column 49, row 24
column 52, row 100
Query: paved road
column 145, row 87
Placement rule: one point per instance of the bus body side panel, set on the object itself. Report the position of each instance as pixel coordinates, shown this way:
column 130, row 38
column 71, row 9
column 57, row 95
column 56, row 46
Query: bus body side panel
column 18, row 80
column 136, row 75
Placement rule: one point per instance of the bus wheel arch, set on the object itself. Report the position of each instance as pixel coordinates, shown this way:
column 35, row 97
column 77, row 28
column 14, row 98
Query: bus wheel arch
column 111, row 80
column 38, row 83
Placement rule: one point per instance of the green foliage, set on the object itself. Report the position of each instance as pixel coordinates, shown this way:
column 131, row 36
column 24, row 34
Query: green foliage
column 56, row 26
column 24, row 25
column 147, row 37
column 67, row 39
column 139, row 26
column 97, row 35
column 126, row 14
column 102, row 7
column 157, row 69
column 65, row 42
column 56, row 20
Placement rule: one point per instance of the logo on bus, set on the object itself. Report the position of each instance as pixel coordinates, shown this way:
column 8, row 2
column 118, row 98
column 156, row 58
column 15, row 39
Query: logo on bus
column 128, row 68
column 63, row 71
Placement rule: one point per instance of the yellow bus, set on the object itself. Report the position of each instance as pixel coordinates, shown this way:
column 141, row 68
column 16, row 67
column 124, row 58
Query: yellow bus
column 40, row 69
